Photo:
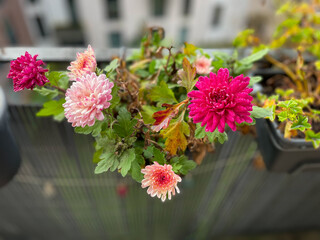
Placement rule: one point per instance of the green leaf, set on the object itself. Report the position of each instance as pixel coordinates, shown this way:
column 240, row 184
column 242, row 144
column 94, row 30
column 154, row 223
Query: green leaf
column 126, row 158
column 313, row 137
column 112, row 66
column 147, row 112
column 254, row 57
column 212, row 136
column 301, row 124
column 254, row 80
column 159, row 156
column 258, row 112
column 148, row 153
column 182, row 165
column 58, row 79
column 95, row 130
column 125, row 125
column 136, row 171
column 162, row 94
column 115, row 97
column 53, row 108
column 108, row 159
column 51, row 93
column 152, row 66
column 96, row 156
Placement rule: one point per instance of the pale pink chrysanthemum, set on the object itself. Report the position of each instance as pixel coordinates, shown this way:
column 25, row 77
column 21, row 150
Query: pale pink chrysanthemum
column 161, row 180
column 84, row 64
column 221, row 99
column 203, row 65
column 86, row 98
column 27, row 72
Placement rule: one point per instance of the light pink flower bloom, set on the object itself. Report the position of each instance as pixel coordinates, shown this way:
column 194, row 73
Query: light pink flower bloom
column 221, row 99
column 203, row 65
column 161, row 180
column 86, row 98
column 84, row 64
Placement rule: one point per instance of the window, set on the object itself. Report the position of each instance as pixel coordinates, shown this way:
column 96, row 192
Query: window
column 39, row 22
column 33, row 1
column 186, row 7
column 73, row 11
column 158, row 7
column 216, row 16
column 10, row 32
column 112, row 9
column 183, row 34
column 115, row 39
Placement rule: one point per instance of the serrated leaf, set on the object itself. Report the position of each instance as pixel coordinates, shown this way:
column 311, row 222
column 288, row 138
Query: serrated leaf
column 58, row 79
column 254, row 57
column 313, row 137
column 115, row 97
column 96, row 156
column 148, row 153
column 182, row 165
column 136, row 171
column 147, row 112
column 212, row 136
column 301, row 124
column 254, row 80
column 159, row 156
column 187, row 75
column 125, row 124
column 126, row 158
column 95, row 130
column 112, row 66
column 258, row 112
column 162, row 94
column 175, row 136
column 51, row 93
column 108, row 159
column 52, row 108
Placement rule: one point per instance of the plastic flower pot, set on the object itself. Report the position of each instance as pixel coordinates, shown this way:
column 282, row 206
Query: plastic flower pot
column 285, row 155
column 9, row 154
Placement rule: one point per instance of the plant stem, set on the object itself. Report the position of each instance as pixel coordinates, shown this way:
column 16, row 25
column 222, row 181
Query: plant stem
column 169, row 56
column 59, row 88
column 286, row 69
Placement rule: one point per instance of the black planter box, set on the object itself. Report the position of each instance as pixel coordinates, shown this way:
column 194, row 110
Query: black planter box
column 285, row 155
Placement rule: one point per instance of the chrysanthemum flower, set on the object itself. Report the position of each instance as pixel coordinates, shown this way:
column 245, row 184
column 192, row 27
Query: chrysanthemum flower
column 203, row 65
column 161, row 180
column 86, row 98
column 27, row 72
column 221, row 99
column 84, row 64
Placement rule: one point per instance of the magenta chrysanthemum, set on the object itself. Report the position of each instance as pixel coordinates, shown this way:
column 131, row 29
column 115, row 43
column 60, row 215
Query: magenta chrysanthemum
column 86, row 98
column 221, row 99
column 161, row 180
column 27, row 72
column 84, row 64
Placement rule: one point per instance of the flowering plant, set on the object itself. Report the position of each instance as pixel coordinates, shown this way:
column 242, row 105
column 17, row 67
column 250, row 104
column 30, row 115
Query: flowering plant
column 145, row 111
column 293, row 97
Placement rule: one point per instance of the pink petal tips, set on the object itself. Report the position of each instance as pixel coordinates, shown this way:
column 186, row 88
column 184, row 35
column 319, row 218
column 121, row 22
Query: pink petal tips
column 27, row 72
column 161, row 180
column 86, row 98
column 203, row 65
column 84, row 64
column 221, row 99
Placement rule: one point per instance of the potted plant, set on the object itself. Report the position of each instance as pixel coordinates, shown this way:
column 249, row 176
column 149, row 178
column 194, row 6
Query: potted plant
column 147, row 110
column 290, row 139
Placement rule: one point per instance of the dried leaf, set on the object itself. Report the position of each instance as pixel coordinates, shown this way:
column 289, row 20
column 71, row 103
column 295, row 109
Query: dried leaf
column 163, row 117
column 187, row 75
column 175, row 136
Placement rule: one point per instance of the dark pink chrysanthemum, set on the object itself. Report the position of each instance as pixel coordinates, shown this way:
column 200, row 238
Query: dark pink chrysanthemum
column 221, row 99
column 161, row 180
column 27, row 72
column 86, row 98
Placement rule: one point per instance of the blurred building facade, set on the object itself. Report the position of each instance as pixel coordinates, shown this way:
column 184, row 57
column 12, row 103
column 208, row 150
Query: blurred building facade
column 114, row 23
